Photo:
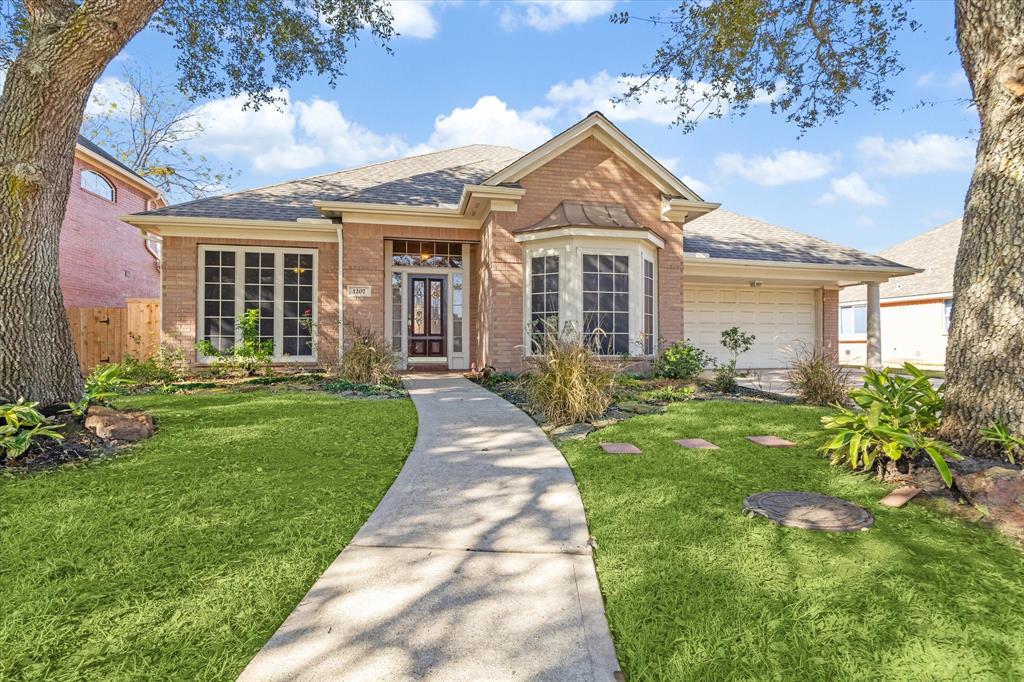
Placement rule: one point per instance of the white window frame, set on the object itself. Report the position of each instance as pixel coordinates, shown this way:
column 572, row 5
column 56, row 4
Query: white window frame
column 854, row 335
column 947, row 315
column 571, row 250
column 88, row 172
column 240, row 252
column 647, row 258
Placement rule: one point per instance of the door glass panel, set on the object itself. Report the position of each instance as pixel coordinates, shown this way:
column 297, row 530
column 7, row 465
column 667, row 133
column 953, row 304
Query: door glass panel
column 435, row 307
column 396, row 311
column 419, row 296
column 457, row 313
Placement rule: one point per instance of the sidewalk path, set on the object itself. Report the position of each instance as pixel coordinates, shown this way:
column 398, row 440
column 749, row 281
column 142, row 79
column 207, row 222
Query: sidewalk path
column 475, row 565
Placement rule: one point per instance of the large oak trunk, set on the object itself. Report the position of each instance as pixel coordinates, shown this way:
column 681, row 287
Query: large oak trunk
column 985, row 355
column 66, row 49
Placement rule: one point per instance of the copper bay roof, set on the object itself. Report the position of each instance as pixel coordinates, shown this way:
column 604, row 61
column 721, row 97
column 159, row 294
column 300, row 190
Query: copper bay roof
column 578, row 214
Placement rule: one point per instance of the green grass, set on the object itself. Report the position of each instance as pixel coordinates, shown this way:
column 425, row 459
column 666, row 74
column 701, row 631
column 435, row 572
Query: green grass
column 697, row 591
column 178, row 559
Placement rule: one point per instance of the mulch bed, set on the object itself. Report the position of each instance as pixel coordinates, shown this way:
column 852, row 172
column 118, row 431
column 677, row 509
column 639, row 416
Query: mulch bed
column 78, row 445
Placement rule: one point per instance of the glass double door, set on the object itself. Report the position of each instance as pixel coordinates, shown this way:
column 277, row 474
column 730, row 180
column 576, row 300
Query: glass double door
column 428, row 324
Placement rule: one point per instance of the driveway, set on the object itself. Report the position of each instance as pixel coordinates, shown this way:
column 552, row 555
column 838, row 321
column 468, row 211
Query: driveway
column 475, row 565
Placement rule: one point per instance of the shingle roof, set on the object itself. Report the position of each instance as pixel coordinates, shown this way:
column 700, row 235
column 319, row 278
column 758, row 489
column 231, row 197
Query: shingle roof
column 724, row 234
column 933, row 251
column 578, row 214
column 426, row 180
column 99, row 151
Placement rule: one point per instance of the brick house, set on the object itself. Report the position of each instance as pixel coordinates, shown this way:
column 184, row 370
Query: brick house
column 103, row 260
column 467, row 256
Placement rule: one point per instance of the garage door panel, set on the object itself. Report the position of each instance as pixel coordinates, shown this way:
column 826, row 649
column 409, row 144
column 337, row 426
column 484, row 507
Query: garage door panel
column 781, row 319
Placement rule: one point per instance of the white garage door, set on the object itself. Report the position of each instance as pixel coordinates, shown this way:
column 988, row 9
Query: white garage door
column 781, row 319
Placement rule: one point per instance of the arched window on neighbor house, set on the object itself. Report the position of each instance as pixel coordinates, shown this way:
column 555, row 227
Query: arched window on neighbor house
column 97, row 184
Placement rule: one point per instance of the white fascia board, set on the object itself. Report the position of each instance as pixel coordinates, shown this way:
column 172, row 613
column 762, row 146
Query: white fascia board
column 594, row 232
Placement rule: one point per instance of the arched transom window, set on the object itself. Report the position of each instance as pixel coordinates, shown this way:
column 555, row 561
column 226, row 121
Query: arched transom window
column 97, row 184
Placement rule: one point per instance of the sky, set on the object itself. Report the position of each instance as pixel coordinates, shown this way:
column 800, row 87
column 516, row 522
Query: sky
column 517, row 73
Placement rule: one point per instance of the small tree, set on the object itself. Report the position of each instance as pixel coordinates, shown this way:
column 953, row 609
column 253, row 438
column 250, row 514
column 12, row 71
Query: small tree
column 736, row 342
column 147, row 126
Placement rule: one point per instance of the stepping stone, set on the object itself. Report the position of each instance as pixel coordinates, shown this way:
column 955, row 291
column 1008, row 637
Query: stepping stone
column 771, row 441
column 620, row 448
column 696, row 444
column 810, row 511
column 900, row 496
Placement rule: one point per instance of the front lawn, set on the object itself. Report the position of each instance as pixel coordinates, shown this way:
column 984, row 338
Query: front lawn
column 179, row 558
column 697, row 591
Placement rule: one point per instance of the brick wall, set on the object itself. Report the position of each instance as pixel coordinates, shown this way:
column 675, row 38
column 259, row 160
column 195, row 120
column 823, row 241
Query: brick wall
column 178, row 315
column 588, row 172
column 102, row 260
column 830, row 322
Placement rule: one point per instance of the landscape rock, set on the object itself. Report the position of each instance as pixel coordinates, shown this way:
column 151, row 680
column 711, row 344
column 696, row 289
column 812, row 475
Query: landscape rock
column 571, row 431
column 109, row 424
column 639, row 408
column 997, row 490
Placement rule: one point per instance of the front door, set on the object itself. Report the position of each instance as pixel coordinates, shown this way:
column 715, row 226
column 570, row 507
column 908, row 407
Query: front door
column 427, row 317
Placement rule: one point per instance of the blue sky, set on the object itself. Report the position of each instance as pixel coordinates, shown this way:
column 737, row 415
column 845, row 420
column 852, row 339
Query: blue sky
column 514, row 74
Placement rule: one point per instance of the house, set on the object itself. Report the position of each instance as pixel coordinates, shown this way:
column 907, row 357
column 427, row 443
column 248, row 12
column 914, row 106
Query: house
column 104, row 261
column 915, row 310
column 469, row 256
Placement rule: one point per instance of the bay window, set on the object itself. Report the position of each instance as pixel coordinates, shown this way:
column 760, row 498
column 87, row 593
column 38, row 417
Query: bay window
column 278, row 283
column 544, row 304
column 606, row 303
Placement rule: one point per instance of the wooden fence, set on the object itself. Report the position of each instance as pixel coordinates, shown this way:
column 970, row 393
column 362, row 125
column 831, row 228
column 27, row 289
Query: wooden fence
column 104, row 335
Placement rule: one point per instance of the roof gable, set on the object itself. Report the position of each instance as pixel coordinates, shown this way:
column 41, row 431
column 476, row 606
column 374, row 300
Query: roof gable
column 596, row 125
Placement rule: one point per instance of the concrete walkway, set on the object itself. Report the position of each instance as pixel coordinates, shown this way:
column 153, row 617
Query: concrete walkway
column 475, row 565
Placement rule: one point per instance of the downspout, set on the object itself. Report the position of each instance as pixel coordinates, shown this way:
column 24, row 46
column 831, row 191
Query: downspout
column 341, row 298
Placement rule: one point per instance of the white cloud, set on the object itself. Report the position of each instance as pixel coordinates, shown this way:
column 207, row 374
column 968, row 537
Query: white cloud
column 853, row 188
column 954, row 79
column 698, row 186
column 551, row 15
column 414, row 18
column 783, row 167
column 490, row 121
column 294, row 136
column 925, row 153
column 110, row 95
column 596, row 93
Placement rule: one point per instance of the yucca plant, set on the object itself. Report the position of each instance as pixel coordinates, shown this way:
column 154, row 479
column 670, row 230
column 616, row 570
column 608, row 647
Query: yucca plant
column 895, row 417
column 569, row 384
column 21, row 424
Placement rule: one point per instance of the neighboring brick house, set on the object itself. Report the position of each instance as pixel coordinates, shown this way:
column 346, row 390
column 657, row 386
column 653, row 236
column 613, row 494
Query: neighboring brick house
column 914, row 312
column 103, row 260
column 459, row 258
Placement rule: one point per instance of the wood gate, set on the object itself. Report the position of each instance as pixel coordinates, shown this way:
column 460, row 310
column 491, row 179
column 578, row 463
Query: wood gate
column 103, row 335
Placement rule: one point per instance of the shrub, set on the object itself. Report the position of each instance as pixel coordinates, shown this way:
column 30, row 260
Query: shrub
column 1009, row 444
column 817, row 378
column 369, row 359
column 163, row 367
column 682, row 360
column 102, row 383
column 569, row 383
column 895, row 416
column 736, row 342
column 668, row 394
column 23, row 423
column 250, row 356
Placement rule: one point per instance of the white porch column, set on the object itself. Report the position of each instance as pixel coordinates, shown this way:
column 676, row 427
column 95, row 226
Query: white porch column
column 874, row 323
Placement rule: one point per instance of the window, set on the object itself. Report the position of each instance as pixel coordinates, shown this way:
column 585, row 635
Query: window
column 543, row 302
column 219, row 298
column 853, row 320
column 97, row 184
column 606, row 303
column 396, row 312
column 456, row 313
column 947, row 309
column 648, row 307
column 426, row 254
column 279, row 283
column 297, row 314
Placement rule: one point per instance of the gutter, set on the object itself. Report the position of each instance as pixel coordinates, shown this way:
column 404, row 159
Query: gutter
column 341, row 297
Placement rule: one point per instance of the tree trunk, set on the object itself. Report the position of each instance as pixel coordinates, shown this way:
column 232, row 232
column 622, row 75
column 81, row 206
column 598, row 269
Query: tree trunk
column 985, row 357
column 65, row 51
